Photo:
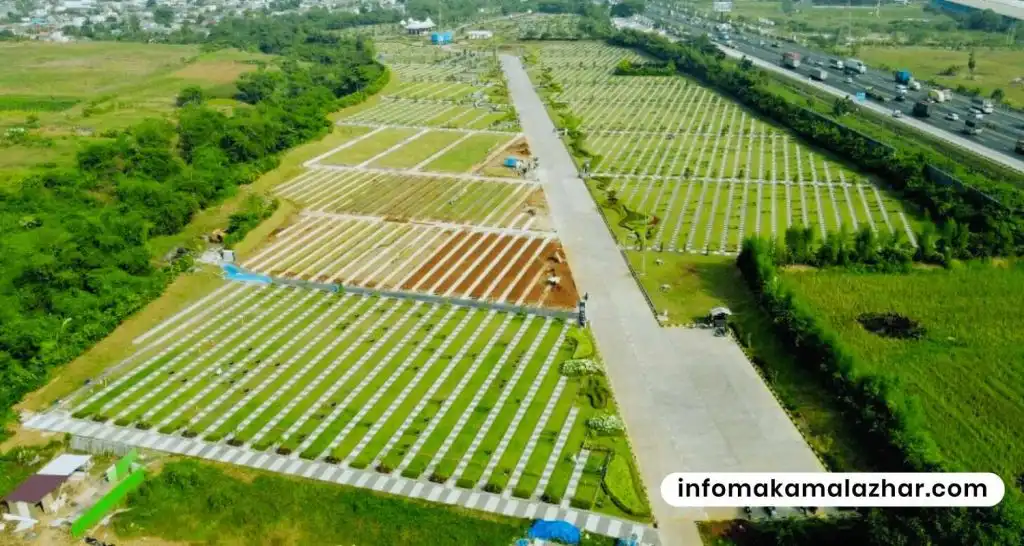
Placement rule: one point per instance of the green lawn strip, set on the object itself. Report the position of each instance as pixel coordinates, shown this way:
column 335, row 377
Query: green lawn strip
column 250, row 350
column 590, row 480
column 417, row 150
column 488, row 121
column 374, row 446
column 445, row 425
column 674, row 208
column 690, row 218
column 379, row 193
column 378, row 359
column 430, row 344
column 231, row 424
column 767, row 198
column 439, row 205
column 192, row 502
column 498, row 201
column 267, row 298
column 480, row 411
column 251, row 380
column 420, row 194
column 467, row 154
column 718, row 218
column 369, row 147
column 418, row 336
column 314, row 396
column 875, row 209
column 546, row 442
column 611, row 214
column 499, row 428
column 525, row 431
column 749, row 217
column 559, row 479
column 829, row 209
column 459, row 112
column 461, row 205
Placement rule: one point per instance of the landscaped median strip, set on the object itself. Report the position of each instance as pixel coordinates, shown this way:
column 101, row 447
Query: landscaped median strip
column 390, row 484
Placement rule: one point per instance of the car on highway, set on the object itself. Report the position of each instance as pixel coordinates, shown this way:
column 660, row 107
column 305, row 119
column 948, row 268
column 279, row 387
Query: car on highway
column 953, row 116
column 848, row 79
column 897, row 113
column 775, row 44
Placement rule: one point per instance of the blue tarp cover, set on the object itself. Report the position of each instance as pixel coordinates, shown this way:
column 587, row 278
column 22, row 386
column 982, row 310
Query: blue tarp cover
column 511, row 161
column 562, row 531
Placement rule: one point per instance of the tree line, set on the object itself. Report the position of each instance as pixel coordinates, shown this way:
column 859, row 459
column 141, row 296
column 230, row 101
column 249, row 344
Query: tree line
column 74, row 256
column 988, row 209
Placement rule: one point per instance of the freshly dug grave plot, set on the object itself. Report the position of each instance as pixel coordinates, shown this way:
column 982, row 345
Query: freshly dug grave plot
column 497, row 273
column 490, row 264
column 503, row 283
column 444, row 279
column 547, row 293
column 518, row 149
column 533, row 274
column 368, row 147
column 460, row 240
column 403, row 262
column 535, row 211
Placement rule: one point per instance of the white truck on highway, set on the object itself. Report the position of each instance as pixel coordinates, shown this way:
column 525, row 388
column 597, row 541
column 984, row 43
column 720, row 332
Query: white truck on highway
column 940, row 95
column 855, row 66
column 985, row 105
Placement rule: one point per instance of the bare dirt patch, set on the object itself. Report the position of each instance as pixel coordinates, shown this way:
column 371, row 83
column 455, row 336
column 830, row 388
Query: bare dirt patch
column 214, row 71
column 452, row 270
column 487, row 263
column 455, row 241
column 512, row 248
column 505, row 282
column 555, row 287
column 531, row 275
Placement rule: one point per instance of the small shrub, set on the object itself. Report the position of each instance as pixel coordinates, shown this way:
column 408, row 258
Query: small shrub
column 551, row 498
column 123, row 422
column 606, row 425
column 465, row 483
column 284, row 450
column 142, row 425
column 190, row 434
column 384, row 469
column 582, row 504
column 522, row 493
column 331, row 459
column 236, row 442
column 492, row 488
column 359, row 465
column 100, row 418
column 438, row 478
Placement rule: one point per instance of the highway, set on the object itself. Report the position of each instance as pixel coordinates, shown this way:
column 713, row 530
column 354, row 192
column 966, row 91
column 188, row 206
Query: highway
column 1001, row 129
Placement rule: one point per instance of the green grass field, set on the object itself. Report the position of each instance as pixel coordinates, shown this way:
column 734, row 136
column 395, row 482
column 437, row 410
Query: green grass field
column 80, row 90
column 996, row 68
column 468, row 154
column 200, row 503
column 966, row 372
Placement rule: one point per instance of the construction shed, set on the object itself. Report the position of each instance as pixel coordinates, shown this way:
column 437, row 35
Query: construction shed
column 37, row 493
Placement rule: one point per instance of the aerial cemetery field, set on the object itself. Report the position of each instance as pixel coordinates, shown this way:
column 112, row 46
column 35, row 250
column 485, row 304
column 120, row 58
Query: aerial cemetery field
column 419, row 323
column 702, row 169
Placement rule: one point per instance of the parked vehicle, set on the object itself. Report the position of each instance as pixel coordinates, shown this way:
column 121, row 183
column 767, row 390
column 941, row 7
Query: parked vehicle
column 791, row 59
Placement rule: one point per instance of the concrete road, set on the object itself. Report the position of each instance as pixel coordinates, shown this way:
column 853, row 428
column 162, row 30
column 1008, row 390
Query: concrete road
column 691, row 402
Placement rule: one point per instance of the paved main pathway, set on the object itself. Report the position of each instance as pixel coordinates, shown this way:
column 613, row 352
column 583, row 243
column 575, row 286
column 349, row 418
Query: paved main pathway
column 393, row 484
column 691, row 402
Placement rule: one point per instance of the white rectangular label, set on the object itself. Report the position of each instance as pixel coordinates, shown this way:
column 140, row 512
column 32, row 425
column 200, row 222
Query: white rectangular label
column 868, row 489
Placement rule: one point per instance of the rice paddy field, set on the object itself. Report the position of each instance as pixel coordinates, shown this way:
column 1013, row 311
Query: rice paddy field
column 965, row 371
column 705, row 172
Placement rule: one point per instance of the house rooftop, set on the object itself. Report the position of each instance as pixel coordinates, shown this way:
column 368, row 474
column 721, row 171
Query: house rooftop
column 65, row 465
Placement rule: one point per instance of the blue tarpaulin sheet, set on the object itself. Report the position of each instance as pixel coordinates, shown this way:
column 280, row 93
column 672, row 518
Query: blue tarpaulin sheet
column 511, row 162
column 561, row 531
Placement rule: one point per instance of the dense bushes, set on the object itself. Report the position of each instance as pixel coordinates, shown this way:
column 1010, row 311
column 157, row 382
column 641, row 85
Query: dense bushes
column 884, row 417
column 985, row 210
column 864, row 249
column 633, row 68
column 75, row 259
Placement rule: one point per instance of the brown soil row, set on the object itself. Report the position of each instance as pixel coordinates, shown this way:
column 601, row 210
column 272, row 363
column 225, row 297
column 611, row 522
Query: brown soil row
column 530, row 275
column 489, row 260
column 458, row 240
column 450, row 272
column 512, row 249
